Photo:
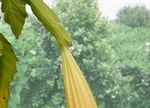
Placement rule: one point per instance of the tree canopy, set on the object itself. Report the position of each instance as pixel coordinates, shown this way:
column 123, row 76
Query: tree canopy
column 137, row 16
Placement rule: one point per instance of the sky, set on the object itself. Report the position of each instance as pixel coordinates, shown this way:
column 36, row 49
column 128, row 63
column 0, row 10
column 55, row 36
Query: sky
column 110, row 8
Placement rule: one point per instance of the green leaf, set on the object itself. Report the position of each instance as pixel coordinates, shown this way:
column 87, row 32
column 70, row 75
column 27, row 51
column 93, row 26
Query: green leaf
column 7, row 69
column 15, row 14
column 1, row 47
column 50, row 21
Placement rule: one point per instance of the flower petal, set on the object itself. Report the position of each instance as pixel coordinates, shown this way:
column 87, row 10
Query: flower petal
column 78, row 93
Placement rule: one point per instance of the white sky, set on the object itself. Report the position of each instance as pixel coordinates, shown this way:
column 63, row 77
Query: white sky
column 109, row 8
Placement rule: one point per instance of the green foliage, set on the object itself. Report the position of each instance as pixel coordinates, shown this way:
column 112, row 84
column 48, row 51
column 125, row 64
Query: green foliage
column 137, row 16
column 15, row 14
column 133, row 43
column 132, row 48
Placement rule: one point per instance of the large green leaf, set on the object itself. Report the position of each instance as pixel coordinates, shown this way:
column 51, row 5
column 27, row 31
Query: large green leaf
column 50, row 21
column 15, row 14
column 7, row 69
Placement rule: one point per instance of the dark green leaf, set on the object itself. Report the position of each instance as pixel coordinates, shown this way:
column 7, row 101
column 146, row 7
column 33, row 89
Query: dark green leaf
column 15, row 14
column 7, row 69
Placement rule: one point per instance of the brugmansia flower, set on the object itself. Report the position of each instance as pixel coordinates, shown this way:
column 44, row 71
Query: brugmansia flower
column 78, row 93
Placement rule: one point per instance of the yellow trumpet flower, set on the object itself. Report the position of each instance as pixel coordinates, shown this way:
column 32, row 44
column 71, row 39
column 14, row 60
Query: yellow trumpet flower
column 78, row 93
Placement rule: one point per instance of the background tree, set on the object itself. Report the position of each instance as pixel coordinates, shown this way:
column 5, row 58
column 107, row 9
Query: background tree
column 132, row 48
column 137, row 16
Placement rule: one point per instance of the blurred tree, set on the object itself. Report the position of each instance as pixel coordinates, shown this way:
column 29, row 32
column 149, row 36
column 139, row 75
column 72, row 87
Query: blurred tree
column 131, row 47
column 137, row 16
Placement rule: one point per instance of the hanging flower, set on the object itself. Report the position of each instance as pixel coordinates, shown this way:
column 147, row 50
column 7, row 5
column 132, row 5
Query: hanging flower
column 78, row 93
